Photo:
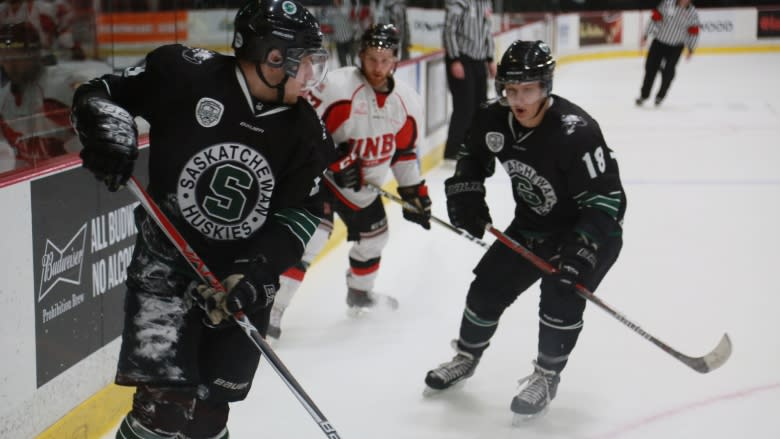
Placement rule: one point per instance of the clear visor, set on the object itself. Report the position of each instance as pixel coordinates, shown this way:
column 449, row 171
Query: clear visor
column 519, row 94
column 308, row 66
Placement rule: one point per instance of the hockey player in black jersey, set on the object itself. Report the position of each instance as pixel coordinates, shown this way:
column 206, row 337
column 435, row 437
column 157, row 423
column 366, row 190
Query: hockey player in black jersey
column 569, row 209
column 236, row 155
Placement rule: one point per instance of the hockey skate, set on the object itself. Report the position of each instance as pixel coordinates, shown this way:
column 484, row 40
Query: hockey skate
column 450, row 373
column 534, row 399
column 275, row 324
column 359, row 302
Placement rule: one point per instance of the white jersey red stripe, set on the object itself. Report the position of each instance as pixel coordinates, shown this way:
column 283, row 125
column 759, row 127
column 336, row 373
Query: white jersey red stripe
column 381, row 128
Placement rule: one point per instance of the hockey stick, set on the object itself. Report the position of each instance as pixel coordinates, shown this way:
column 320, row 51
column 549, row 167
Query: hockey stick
column 713, row 360
column 707, row 363
column 241, row 319
column 438, row 221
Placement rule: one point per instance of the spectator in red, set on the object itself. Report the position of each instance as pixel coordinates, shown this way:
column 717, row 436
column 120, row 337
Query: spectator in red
column 53, row 21
column 34, row 100
column 362, row 18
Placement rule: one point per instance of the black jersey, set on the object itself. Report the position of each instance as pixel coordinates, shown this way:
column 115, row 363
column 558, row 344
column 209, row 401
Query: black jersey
column 238, row 177
column 564, row 176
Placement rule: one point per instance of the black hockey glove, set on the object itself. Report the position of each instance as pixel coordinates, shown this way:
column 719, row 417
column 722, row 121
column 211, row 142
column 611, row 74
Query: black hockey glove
column 576, row 261
column 110, row 139
column 417, row 196
column 347, row 172
column 252, row 289
column 466, row 205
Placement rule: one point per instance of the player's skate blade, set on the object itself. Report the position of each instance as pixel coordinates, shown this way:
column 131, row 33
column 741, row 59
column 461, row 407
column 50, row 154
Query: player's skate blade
column 519, row 420
column 430, row 392
column 368, row 302
column 534, row 398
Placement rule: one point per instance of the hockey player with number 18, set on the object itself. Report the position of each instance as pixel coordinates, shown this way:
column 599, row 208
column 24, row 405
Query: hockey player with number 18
column 374, row 121
column 569, row 209
column 236, row 156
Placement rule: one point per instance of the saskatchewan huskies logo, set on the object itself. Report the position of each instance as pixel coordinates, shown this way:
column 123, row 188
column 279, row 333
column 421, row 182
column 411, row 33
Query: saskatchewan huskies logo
column 208, row 112
column 494, row 141
column 224, row 191
column 534, row 189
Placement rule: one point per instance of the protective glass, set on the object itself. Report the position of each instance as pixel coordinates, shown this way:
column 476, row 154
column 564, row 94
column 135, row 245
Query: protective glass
column 21, row 66
column 309, row 66
column 521, row 93
column 12, row 53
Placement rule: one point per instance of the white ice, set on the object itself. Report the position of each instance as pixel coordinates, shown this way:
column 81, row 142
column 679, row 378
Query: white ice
column 701, row 244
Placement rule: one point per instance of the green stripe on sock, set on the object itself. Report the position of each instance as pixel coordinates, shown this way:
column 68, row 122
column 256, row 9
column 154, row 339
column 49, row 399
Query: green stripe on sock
column 473, row 318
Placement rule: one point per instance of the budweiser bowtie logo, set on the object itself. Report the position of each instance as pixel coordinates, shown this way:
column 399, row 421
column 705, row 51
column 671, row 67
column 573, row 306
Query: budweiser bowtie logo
column 62, row 265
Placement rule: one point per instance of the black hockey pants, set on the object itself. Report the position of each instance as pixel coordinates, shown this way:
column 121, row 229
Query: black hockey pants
column 661, row 57
column 502, row 275
column 467, row 94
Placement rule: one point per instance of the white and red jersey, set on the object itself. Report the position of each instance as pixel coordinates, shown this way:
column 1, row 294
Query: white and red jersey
column 35, row 118
column 381, row 129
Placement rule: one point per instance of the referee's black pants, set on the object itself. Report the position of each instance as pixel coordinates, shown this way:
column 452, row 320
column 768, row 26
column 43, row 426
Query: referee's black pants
column 467, row 94
column 661, row 57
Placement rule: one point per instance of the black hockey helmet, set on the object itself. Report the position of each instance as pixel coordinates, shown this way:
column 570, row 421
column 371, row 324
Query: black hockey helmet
column 285, row 25
column 526, row 61
column 381, row 36
column 21, row 52
column 21, row 38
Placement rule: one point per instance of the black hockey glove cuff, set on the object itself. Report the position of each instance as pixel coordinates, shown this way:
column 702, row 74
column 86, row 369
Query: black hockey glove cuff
column 253, row 288
column 347, row 172
column 576, row 261
column 110, row 139
column 417, row 207
column 466, row 205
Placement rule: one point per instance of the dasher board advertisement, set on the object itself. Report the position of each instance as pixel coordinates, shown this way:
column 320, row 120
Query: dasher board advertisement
column 83, row 239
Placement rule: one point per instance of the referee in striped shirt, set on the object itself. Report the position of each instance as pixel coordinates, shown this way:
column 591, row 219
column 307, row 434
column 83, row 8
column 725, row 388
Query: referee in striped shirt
column 469, row 47
column 674, row 24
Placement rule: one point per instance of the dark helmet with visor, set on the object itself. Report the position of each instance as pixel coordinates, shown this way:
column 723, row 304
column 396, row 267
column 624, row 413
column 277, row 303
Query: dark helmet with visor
column 21, row 52
column 525, row 61
column 20, row 40
column 381, row 36
column 262, row 26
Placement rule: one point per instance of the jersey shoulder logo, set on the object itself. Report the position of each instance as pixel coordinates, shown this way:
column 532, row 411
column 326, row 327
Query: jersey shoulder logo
column 494, row 141
column 196, row 55
column 208, row 112
column 133, row 71
column 570, row 122
column 224, row 191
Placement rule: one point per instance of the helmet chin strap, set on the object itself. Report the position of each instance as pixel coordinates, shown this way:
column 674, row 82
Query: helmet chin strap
column 279, row 87
column 542, row 103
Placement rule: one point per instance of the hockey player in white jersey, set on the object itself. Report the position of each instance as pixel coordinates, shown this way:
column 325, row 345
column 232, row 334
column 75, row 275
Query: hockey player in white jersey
column 374, row 120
